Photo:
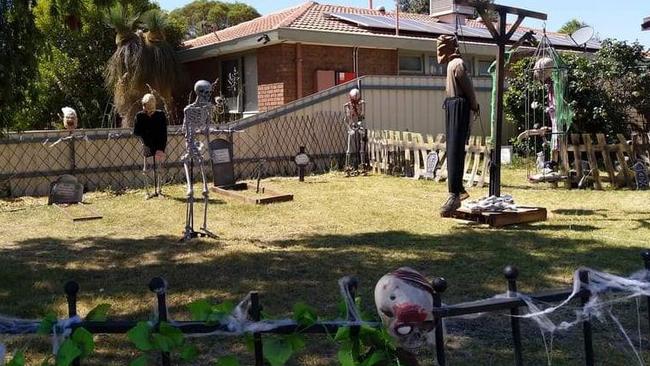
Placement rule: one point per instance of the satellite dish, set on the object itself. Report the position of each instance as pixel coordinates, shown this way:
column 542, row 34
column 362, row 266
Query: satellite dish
column 582, row 35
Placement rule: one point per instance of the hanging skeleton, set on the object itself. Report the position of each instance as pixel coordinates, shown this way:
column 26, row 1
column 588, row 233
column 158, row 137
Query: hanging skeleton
column 197, row 119
column 552, row 73
column 357, row 133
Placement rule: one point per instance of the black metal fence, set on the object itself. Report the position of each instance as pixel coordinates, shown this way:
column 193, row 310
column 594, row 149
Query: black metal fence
column 112, row 158
column 511, row 304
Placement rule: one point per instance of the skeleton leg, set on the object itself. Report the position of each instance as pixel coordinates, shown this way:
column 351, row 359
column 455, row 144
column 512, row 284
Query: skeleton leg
column 347, row 152
column 189, row 212
column 146, row 178
column 206, row 194
column 156, row 183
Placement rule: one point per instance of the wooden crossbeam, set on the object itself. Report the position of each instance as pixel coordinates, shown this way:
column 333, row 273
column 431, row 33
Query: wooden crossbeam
column 502, row 8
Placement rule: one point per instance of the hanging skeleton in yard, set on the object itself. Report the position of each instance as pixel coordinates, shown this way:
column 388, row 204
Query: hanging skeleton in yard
column 355, row 114
column 197, row 119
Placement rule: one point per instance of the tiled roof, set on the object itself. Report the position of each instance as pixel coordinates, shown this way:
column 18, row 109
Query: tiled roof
column 314, row 16
column 258, row 25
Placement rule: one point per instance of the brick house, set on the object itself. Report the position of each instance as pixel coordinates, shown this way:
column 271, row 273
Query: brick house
column 290, row 54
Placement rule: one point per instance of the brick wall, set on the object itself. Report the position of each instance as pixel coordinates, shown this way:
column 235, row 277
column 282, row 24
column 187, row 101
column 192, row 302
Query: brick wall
column 276, row 69
column 276, row 76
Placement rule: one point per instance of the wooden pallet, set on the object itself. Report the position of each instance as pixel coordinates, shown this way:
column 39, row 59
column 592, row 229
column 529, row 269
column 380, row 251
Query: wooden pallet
column 407, row 151
column 235, row 191
column 575, row 149
column 524, row 215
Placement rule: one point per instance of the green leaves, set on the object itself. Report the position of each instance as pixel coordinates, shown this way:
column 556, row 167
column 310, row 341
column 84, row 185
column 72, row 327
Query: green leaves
column 304, row 314
column 18, row 359
column 277, row 350
column 67, row 353
column 99, row 313
column 83, row 339
column 167, row 339
column 227, row 361
column 47, row 324
column 140, row 336
column 202, row 310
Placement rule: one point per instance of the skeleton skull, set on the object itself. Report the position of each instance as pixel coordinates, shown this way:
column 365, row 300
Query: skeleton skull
column 404, row 301
column 69, row 118
column 543, row 69
column 354, row 95
column 203, row 90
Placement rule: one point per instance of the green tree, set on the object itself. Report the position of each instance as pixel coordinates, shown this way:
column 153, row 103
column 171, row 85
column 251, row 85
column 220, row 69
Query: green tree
column 204, row 16
column 603, row 89
column 143, row 58
column 20, row 42
column 414, row 6
column 572, row 26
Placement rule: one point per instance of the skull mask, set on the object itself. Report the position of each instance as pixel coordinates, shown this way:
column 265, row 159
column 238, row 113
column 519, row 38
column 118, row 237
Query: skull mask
column 69, row 118
column 203, row 90
column 404, row 301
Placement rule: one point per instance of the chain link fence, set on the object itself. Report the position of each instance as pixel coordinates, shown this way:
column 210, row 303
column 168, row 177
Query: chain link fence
column 111, row 159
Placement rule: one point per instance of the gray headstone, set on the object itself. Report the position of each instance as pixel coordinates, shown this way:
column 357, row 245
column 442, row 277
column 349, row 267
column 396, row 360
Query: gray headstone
column 66, row 190
column 432, row 163
column 223, row 168
column 641, row 174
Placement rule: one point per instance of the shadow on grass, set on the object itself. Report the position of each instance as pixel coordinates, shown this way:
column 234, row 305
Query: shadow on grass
column 303, row 268
column 580, row 212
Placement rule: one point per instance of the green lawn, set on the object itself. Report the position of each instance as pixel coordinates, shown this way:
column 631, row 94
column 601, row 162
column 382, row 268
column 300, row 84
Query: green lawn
column 296, row 251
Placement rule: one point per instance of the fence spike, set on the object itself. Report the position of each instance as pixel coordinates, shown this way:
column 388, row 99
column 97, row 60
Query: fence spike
column 511, row 273
column 439, row 286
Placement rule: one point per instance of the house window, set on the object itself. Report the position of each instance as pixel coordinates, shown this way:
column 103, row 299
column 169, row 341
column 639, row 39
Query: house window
column 484, row 67
column 411, row 64
column 435, row 68
column 239, row 83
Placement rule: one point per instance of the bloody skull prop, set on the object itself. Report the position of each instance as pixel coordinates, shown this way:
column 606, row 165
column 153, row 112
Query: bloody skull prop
column 404, row 301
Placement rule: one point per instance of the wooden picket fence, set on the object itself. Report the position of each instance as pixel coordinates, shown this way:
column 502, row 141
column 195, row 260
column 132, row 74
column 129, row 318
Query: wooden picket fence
column 405, row 153
column 607, row 162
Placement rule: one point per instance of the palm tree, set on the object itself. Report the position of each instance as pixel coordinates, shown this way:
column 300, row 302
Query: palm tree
column 142, row 59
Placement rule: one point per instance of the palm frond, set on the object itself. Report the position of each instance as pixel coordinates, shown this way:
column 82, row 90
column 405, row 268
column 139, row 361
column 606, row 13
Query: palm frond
column 122, row 19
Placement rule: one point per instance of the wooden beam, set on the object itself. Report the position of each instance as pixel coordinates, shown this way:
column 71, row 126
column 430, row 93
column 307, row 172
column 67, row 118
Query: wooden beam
column 514, row 26
column 499, row 8
column 488, row 23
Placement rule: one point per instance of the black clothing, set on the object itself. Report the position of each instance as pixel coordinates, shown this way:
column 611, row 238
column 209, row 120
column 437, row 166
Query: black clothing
column 152, row 130
column 457, row 126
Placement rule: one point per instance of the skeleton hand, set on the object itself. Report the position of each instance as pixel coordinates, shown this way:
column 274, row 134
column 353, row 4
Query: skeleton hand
column 160, row 155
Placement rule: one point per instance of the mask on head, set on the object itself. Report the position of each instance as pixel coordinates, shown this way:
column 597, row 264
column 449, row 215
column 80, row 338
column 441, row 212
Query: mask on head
column 149, row 103
column 405, row 303
column 447, row 48
column 543, row 69
column 203, row 90
column 69, row 118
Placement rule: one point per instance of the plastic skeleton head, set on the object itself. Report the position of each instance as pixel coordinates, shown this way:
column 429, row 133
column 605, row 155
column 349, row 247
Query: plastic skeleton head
column 404, row 301
column 69, row 118
column 543, row 69
column 149, row 103
column 203, row 90
column 355, row 95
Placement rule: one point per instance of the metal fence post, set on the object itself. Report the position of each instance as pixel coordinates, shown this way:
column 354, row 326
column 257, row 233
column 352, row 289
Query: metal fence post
column 646, row 264
column 439, row 286
column 71, row 289
column 158, row 285
column 353, row 285
column 256, row 314
column 511, row 273
column 586, row 325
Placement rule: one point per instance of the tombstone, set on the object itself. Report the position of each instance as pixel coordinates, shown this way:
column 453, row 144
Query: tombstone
column 66, row 190
column 432, row 163
column 223, row 168
column 301, row 160
column 641, row 175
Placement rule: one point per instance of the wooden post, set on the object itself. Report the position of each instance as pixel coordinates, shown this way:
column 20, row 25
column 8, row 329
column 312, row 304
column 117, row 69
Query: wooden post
column 495, row 166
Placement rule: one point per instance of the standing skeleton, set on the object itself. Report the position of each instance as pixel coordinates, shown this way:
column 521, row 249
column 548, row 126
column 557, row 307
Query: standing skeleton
column 355, row 114
column 197, row 119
